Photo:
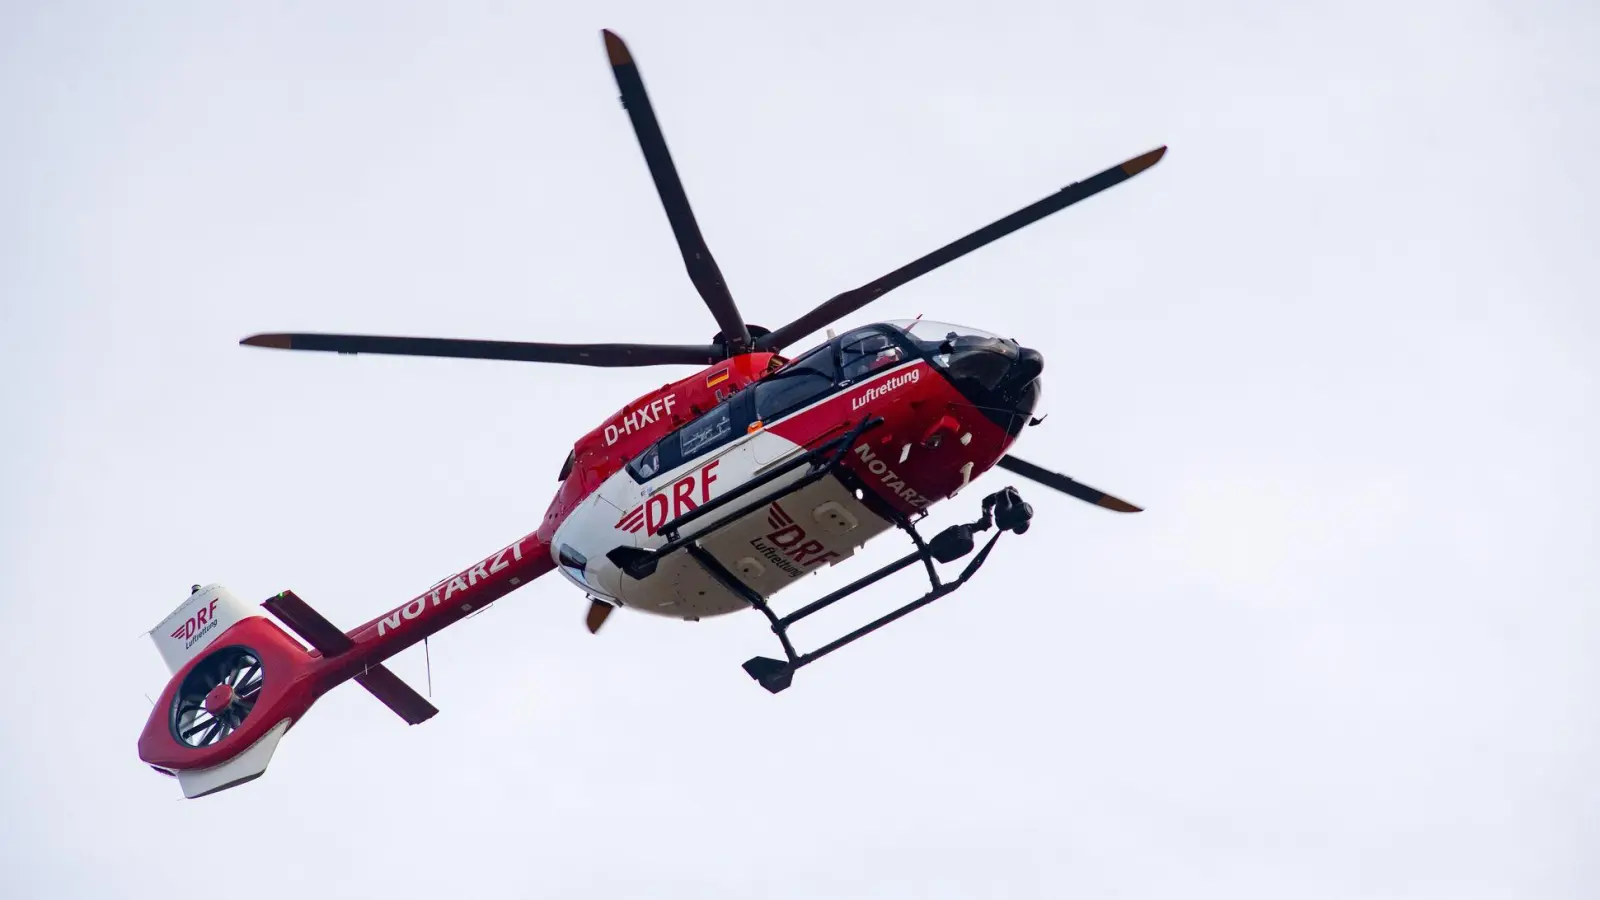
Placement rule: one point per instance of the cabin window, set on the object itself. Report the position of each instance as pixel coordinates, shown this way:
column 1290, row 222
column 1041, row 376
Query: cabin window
column 710, row 430
column 801, row 383
column 715, row 428
column 866, row 352
column 573, row 565
column 646, row 465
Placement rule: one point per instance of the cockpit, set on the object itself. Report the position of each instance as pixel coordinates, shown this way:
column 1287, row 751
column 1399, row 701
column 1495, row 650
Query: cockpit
column 999, row 376
column 928, row 333
column 962, row 351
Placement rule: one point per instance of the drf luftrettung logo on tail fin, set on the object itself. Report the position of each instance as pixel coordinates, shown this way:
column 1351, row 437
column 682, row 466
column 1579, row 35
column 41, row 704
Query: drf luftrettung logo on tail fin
column 197, row 625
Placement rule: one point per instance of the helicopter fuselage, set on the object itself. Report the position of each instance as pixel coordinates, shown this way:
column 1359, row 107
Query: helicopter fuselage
column 649, row 464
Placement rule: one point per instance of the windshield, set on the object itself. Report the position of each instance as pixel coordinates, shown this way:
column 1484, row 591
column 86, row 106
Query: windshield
column 929, row 334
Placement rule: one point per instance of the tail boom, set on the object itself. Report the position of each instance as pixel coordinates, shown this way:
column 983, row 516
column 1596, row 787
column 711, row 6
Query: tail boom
column 293, row 677
column 452, row 599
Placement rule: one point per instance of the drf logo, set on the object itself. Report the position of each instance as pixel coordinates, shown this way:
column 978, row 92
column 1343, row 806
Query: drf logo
column 671, row 502
column 789, row 538
column 197, row 624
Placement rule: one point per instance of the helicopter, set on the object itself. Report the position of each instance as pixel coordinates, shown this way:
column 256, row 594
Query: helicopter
column 707, row 496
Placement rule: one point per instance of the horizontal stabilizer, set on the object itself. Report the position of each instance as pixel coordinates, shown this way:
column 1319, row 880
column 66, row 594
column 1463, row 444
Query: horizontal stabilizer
column 309, row 624
column 330, row 641
column 397, row 695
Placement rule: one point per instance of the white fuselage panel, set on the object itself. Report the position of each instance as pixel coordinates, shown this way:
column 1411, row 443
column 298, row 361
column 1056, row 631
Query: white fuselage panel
column 766, row 549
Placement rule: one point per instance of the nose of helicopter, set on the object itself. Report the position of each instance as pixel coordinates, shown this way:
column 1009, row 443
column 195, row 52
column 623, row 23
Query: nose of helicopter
column 1023, row 383
column 1029, row 365
column 998, row 374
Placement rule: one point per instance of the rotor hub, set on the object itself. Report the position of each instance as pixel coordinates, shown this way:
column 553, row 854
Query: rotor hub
column 218, row 699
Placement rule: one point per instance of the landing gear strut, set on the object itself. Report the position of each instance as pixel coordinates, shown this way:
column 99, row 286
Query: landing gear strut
column 1003, row 509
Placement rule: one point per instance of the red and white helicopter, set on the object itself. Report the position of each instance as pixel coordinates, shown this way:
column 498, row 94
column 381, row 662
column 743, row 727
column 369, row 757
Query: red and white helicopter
column 705, row 497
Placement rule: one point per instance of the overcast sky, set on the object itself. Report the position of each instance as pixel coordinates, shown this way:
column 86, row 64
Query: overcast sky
column 1342, row 344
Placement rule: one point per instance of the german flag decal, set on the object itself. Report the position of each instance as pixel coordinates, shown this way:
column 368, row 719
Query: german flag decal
column 716, row 378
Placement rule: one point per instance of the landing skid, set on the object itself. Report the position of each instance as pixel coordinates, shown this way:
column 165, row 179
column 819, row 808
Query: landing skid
column 1004, row 508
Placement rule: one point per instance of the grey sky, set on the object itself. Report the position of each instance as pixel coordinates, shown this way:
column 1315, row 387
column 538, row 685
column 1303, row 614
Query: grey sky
column 1341, row 344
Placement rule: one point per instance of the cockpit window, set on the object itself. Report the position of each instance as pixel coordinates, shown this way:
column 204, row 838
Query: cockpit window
column 930, row 330
column 861, row 354
column 930, row 334
column 941, row 341
column 798, row 384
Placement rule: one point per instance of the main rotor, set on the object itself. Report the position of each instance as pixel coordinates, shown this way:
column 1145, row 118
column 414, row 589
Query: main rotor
column 735, row 337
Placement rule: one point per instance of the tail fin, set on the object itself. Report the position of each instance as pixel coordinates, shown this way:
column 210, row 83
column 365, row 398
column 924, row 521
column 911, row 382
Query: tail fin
column 194, row 626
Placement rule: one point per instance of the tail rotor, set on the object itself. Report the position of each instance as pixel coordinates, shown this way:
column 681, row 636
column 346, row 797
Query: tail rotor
column 216, row 697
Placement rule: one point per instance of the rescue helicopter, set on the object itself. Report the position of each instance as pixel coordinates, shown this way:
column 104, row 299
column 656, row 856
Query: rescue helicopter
column 708, row 496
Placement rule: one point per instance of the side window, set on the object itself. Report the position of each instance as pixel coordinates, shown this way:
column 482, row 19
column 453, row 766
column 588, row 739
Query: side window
column 646, row 465
column 872, row 352
column 715, row 428
column 710, row 430
column 798, row 384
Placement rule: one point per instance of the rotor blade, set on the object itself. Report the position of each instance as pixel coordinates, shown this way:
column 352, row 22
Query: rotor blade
column 598, row 612
column 848, row 302
column 1064, row 484
column 605, row 355
column 697, row 258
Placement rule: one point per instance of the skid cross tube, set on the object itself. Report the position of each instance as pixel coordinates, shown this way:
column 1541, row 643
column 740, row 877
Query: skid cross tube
column 906, row 610
column 732, row 583
column 851, row 588
column 953, row 543
column 823, row 459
